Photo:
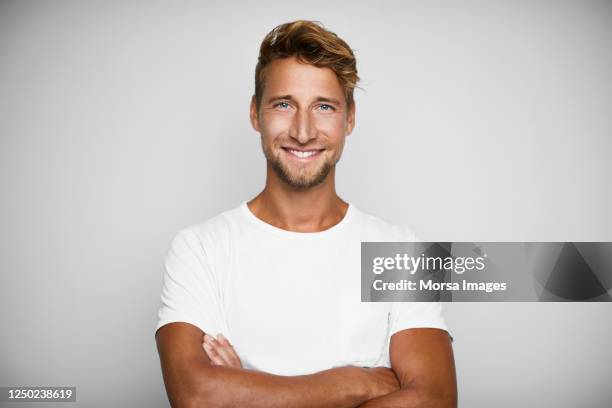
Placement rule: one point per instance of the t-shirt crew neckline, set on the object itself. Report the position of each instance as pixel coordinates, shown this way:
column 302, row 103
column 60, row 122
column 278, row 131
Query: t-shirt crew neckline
column 348, row 216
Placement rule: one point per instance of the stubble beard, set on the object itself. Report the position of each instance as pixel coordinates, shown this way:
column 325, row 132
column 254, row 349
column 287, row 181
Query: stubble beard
column 299, row 178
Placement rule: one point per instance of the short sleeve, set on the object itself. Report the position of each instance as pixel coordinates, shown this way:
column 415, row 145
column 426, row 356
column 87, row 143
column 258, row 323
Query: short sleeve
column 408, row 315
column 190, row 292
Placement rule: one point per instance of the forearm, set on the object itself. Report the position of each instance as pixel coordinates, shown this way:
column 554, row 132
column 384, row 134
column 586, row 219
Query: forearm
column 221, row 386
column 412, row 398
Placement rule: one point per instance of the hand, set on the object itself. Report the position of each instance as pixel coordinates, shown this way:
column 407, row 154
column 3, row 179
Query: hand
column 383, row 381
column 220, row 351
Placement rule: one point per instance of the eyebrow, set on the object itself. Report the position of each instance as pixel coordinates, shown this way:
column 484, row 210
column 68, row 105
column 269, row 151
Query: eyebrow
column 290, row 98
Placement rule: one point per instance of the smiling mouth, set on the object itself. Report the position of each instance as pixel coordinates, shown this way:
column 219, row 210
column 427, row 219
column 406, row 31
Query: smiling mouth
column 303, row 154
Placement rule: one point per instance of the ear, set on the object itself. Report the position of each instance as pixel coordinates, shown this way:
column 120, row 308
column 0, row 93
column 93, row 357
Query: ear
column 254, row 115
column 350, row 120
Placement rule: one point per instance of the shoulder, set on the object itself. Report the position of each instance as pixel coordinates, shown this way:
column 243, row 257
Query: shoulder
column 376, row 228
column 212, row 234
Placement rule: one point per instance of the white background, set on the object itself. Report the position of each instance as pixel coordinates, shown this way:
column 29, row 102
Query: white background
column 123, row 121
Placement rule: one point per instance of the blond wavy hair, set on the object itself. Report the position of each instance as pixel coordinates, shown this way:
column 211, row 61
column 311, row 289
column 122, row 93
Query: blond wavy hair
column 311, row 43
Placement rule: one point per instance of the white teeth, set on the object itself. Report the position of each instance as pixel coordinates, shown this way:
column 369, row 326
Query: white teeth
column 302, row 154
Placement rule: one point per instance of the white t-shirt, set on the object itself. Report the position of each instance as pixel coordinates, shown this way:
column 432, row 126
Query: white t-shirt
column 289, row 302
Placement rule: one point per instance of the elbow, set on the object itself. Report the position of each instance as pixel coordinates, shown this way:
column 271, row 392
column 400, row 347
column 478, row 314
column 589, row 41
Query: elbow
column 193, row 400
column 183, row 402
column 437, row 400
column 186, row 399
column 440, row 398
column 204, row 394
column 444, row 399
column 449, row 401
column 441, row 394
column 433, row 397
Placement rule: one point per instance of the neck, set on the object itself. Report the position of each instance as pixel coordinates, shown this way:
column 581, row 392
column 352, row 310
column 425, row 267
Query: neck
column 312, row 209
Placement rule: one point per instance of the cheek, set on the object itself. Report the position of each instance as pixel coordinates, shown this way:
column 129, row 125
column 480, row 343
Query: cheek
column 273, row 125
column 332, row 126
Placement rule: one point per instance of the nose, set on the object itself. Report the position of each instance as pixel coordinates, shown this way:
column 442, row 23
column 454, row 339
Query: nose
column 302, row 128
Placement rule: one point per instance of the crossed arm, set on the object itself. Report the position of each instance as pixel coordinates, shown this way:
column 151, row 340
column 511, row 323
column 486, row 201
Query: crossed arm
column 201, row 371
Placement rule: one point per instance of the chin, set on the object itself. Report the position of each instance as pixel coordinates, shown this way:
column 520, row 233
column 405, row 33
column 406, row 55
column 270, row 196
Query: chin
column 304, row 180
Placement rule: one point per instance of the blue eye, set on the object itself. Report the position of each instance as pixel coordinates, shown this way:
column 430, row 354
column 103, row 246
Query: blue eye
column 282, row 105
column 327, row 108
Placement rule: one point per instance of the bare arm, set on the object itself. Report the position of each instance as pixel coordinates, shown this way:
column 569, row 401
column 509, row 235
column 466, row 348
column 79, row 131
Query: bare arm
column 192, row 381
column 424, row 364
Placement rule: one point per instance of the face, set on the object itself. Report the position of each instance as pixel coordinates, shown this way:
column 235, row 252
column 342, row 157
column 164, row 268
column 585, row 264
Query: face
column 303, row 121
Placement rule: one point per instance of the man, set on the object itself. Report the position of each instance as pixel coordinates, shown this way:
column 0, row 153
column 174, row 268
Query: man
column 261, row 304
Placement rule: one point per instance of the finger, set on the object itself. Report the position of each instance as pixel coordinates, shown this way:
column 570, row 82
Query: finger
column 223, row 349
column 227, row 353
column 223, row 340
column 234, row 358
column 214, row 356
column 215, row 348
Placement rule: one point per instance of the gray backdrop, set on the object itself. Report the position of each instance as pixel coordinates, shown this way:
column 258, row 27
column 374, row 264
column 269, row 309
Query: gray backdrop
column 124, row 121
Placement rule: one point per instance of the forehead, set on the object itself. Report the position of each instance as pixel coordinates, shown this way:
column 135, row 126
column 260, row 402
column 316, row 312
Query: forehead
column 289, row 76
